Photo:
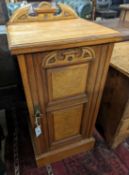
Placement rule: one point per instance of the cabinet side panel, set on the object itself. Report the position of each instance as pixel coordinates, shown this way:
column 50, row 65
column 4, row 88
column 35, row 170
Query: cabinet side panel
column 95, row 86
column 28, row 78
column 91, row 80
column 23, row 70
column 105, row 56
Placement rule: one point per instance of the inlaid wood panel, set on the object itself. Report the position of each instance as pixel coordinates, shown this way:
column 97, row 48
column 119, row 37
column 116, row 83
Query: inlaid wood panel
column 67, row 122
column 67, row 81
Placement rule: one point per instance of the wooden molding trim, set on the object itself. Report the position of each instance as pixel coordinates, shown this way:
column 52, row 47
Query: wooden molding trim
column 67, row 102
column 44, row 12
column 69, row 56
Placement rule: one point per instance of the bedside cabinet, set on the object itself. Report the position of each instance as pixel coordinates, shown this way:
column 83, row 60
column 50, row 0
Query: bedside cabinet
column 63, row 62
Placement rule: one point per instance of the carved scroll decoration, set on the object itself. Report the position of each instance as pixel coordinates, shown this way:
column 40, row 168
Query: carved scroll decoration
column 44, row 12
column 69, row 56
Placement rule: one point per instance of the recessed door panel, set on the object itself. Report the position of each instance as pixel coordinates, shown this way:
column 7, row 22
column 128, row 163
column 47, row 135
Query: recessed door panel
column 67, row 122
column 67, row 81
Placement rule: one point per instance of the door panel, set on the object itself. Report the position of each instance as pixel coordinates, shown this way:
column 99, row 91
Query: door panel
column 67, row 122
column 67, row 81
column 65, row 125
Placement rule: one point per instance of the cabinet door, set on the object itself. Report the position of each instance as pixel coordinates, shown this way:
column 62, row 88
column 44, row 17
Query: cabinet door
column 65, row 74
column 67, row 86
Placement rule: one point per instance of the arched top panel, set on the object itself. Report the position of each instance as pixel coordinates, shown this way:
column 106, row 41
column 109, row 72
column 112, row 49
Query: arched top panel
column 44, row 12
column 69, row 56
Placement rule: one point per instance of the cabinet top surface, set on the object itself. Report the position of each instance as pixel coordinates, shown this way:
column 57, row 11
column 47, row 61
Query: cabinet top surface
column 65, row 33
column 25, row 35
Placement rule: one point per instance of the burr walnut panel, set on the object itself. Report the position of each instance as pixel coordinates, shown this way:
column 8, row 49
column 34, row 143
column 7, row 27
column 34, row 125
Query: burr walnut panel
column 67, row 122
column 67, row 81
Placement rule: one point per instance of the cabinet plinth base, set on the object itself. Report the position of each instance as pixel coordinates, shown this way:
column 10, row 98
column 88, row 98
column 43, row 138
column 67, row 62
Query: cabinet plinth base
column 61, row 153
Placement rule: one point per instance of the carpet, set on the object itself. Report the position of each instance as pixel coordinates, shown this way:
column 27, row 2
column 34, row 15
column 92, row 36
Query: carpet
column 100, row 161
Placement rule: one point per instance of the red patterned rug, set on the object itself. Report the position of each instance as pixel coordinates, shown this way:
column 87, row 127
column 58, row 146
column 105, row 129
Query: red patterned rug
column 100, row 161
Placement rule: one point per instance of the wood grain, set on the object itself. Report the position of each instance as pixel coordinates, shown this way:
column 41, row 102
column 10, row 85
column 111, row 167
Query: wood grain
column 25, row 38
column 75, row 81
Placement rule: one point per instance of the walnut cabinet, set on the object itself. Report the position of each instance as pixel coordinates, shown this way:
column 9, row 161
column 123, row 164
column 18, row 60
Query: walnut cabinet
column 63, row 62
